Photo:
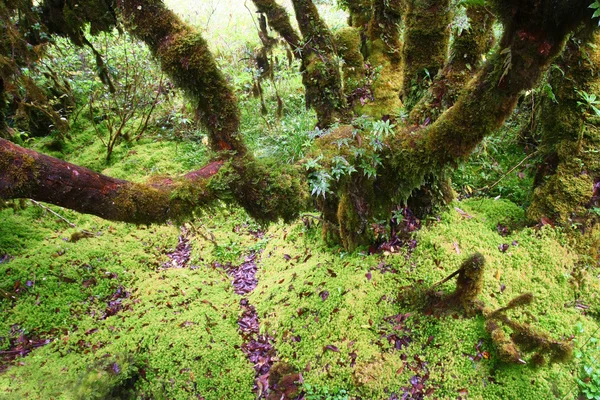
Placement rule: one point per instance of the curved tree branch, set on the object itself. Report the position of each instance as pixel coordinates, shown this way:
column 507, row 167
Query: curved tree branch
column 279, row 21
column 185, row 57
column 28, row 174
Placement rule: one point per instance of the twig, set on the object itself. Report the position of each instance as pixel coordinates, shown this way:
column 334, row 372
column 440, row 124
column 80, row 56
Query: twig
column 446, row 279
column 313, row 217
column 72, row 225
column 508, row 173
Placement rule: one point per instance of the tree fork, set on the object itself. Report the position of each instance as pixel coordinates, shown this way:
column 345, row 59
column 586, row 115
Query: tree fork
column 465, row 60
column 409, row 156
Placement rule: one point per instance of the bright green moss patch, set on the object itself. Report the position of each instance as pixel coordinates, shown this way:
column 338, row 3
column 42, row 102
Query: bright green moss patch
column 330, row 321
column 345, row 321
column 173, row 335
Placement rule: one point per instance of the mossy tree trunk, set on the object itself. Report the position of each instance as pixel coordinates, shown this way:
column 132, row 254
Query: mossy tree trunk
column 28, row 174
column 426, row 38
column 464, row 61
column 320, row 68
column 568, row 179
column 384, row 50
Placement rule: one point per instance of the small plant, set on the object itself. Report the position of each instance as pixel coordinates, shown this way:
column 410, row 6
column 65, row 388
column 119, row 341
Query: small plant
column 228, row 252
column 314, row 392
column 588, row 102
column 319, row 183
column 383, row 129
column 589, row 379
column 341, row 167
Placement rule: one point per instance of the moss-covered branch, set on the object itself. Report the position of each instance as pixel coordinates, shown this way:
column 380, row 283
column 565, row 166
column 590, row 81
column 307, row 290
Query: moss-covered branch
column 268, row 192
column 279, row 21
column 185, row 56
column 320, row 70
column 27, row 174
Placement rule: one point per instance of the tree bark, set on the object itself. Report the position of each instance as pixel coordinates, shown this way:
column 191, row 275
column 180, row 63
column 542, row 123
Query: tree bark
column 426, row 38
column 384, row 51
column 28, row 174
column 568, row 179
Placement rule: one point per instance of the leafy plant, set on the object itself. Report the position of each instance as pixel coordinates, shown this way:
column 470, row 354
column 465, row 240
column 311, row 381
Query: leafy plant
column 588, row 102
column 228, row 252
column 596, row 6
column 314, row 392
column 341, row 167
column 589, row 380
column 383, row 129
column 319, row 183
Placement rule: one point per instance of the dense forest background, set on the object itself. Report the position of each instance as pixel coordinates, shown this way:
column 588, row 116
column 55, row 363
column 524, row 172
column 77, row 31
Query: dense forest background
column 219, row 306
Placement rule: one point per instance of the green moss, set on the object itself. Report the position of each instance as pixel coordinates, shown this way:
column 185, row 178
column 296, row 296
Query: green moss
column 565, row 182
column 426, row 40
column 358, row 297
column 175, row 336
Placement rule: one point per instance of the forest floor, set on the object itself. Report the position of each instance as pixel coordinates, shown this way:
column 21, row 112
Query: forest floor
column 213, row 309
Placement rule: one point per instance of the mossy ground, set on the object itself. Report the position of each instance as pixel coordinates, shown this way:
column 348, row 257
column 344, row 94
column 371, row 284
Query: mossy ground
column 176, row 335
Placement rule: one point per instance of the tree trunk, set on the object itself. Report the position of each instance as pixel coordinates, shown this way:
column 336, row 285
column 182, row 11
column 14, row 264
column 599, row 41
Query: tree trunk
column 465, row 59
column 568, row 180
column 427, row 33
column 279, row 21
column 383, row 51
column 320, row 69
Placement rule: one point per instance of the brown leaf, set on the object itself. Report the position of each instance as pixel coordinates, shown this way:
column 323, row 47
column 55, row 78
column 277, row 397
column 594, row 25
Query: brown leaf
column 332, row 348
